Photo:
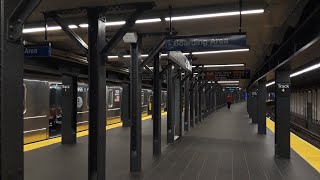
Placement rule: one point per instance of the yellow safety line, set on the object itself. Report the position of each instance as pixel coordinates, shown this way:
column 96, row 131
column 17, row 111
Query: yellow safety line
column 40, row 144
column 306, row 150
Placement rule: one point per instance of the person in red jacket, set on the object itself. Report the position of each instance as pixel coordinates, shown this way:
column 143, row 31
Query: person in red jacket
column 229, row 100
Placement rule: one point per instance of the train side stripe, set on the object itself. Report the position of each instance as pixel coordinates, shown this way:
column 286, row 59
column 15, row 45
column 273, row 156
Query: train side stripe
column 48, row 142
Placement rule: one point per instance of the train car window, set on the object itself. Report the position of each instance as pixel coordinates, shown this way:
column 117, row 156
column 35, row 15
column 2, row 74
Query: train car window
column 142, row 97
column 110, row 98
column 24, row 98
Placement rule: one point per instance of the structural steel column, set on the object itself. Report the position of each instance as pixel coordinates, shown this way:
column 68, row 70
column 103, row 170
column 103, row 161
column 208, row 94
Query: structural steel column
column 97, row 95
column 178, row 103
column 170, row 111
column 187, row 95
column 254, row 106
column 125, row 109
column 69, row 109
column 282, row 113
column 156, row 106
column 135, row 109
column 249, row 103
column 262, row 96
column 13, row 14
column 200, row 101
column 196, row 104
column 192, row 106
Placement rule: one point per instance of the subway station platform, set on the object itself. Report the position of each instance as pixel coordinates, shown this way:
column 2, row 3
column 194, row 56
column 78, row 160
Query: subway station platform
column 224, row 146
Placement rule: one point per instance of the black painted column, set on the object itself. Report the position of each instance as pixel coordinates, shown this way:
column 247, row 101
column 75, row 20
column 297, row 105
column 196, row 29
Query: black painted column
column 156, row 106
column 125, row 109
column 135, row 109
column 187, row 98
column 262, row 96
column 200, row 90
column 249, row 103
column 254, row 106
column 196, row 104
column 97, row 96
column 282, row 114
column 69, row 109
column 192, row 106
column 170, row 112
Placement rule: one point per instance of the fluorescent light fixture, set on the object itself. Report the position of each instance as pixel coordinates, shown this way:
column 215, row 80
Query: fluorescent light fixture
column 221, row 65
column 224, row 14
column 316, row 66
column 41, row 29
column 84, row 25
column 112, row 57
column 72, row 26
column 227, row 82
column 220, row 51
column 186, row 53
column 142, row 55
column 211, row 82
column 163, row 54
column 143, row 21
column 115, row 23
column 270, row 84
column 236, row 84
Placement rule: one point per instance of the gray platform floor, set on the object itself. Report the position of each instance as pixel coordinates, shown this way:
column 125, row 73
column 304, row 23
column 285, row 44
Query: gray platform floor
column 224, row 146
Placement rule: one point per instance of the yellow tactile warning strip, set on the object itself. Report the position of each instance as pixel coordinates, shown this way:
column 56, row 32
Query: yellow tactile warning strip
column 40, row 144
column 306, row 150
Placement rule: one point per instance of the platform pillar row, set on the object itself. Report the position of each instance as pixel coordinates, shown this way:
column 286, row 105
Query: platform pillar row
column 97, row 95
column 262, row 96
column 156, row 106
column 282, row 113
column 69, row 108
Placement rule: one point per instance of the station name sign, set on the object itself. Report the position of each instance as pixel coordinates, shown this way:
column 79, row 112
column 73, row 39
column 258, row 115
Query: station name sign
column 228, row 74
column 180, row 59
column 206, row 43
column 37, row 51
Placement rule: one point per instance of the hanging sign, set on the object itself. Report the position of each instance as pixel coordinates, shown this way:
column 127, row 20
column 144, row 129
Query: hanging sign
column 228, row 74
column 206, row 43
column 37, row 51
column 180, row 59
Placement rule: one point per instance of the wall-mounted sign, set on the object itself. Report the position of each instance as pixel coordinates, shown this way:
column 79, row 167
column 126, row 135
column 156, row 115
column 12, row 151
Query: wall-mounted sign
column 228, row 74
column 180, row 59
column 205, row 42
column 283, row 89
column 37, row 51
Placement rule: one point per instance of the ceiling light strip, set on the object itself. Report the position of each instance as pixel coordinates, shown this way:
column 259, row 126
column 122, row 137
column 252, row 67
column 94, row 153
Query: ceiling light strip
column 212, row 15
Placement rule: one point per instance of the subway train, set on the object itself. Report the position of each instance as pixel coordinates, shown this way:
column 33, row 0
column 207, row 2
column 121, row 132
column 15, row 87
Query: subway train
column 43, row 112
column 303, row 107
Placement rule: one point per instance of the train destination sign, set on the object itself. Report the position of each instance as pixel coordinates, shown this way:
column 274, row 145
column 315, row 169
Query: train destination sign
column 180, row 59
column 206, row 43
column 37, row 51
column 228, row 74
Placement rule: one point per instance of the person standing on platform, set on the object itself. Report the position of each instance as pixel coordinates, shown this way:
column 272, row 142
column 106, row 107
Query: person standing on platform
column 229, row 100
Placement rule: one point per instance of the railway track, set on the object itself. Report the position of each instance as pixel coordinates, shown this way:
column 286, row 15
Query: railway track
column 304, row 133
